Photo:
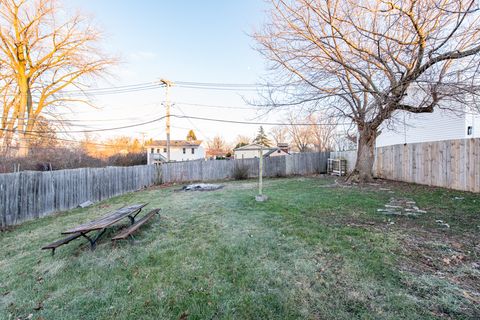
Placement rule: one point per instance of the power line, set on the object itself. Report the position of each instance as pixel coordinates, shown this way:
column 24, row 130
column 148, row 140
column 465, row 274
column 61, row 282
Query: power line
column 115, row 91
column 259, row 123
column 102, row 91
column 218, row 84
column 186, row 117
column 155, row 85
column 217, row 88
column 69, row 140
column 67, row 121
column 93, row 130
column 196, row 128
column 215, row 106
column 113, row 87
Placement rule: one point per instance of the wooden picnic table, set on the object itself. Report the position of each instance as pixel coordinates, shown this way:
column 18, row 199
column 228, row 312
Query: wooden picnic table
column 106, row 221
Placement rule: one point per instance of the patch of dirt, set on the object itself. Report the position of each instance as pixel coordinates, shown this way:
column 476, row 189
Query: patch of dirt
column 447, row 256
column 7, row 229
column 200, row 187
column 162, row 186
column 388, row 186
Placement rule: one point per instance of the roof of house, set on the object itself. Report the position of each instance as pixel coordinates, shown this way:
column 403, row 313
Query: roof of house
column 273, row 151
column 254, row 146
column 175, row 143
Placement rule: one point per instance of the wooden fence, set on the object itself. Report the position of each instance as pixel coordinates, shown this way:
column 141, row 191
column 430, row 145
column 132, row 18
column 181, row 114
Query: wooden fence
column 29, row 194
column 453, row 164
column 295, row 164
column 350, row 156
column 26, row 195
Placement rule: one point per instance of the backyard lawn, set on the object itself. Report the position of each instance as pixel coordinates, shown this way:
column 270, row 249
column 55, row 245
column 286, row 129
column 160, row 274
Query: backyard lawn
column 315, row 250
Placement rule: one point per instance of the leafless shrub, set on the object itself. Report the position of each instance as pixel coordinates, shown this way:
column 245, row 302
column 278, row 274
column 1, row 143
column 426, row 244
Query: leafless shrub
column 240, row 172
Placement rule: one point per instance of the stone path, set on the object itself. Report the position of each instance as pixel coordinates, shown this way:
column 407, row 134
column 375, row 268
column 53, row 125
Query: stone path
column 401, row 207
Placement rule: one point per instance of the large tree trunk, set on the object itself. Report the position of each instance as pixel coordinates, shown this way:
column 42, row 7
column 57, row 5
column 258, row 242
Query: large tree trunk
column 363, row 171
column 23, row 120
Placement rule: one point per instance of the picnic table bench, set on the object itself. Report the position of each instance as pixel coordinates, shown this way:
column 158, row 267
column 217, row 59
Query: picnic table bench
column 99, row 225
column 124, row 234
column 54, row 245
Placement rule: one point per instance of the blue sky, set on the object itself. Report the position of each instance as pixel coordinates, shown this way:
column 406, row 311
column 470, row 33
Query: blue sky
column 200, row 41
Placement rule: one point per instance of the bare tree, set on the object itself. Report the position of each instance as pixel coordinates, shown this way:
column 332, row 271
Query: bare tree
column 322, row 131
column 217, row 147
column 279, row 134
column 44, row 50
column 241, row 141
column 300, row 134
column 367, row 60
column 47, row 140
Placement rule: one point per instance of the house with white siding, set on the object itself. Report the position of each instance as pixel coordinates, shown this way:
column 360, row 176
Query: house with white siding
column 180, row 150
column 440, row 125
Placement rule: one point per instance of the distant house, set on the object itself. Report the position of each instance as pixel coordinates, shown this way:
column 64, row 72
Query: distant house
column 424, row 127
column 283, row 146
column 180, row 150
column 252, row 151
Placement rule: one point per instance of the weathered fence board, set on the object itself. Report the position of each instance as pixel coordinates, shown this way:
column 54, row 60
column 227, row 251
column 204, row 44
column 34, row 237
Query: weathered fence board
column 350, row 156
column 453, row 164
column 29, row 194
column 295, row 164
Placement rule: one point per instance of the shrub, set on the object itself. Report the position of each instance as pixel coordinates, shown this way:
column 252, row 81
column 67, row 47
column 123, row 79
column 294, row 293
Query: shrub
column 240, row 172
column 129, row 159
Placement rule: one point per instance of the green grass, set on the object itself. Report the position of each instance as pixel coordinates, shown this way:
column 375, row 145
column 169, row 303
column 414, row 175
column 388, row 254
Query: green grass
column 312, row 251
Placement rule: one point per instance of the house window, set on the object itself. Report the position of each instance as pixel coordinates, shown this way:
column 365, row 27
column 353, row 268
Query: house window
column 152, row 151
column 184, row 150
column 164, row 150
column 158, row 150
column 193, row 150
column 469, row 130
column 278, row 151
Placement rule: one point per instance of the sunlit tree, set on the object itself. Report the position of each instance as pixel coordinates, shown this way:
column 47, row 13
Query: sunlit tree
column 43, row 51
column 191, row 136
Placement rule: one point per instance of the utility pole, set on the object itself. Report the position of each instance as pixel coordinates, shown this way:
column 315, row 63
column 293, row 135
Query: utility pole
column 168, row 84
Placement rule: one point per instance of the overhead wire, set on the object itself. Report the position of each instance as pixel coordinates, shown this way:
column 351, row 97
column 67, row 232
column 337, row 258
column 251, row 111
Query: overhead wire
column 217, row 88
column 195, row 126
column 213, row 106
column 184, row 117
column 49, row 120
column 94, row 130
column 258, row 123
column 69, row 140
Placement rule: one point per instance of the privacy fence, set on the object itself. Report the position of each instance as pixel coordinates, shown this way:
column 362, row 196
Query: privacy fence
column 26, row 195
column 29, row 194
column 451, row 164
column 295, row 164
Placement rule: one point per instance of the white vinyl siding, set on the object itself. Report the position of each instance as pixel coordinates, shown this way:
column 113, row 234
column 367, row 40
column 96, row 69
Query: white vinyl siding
column 181, row 154
column 413, row 128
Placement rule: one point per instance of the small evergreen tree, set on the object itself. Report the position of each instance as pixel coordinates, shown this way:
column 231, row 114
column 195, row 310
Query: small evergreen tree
column 262, row 138
column 240, row 144
column 191, row 136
